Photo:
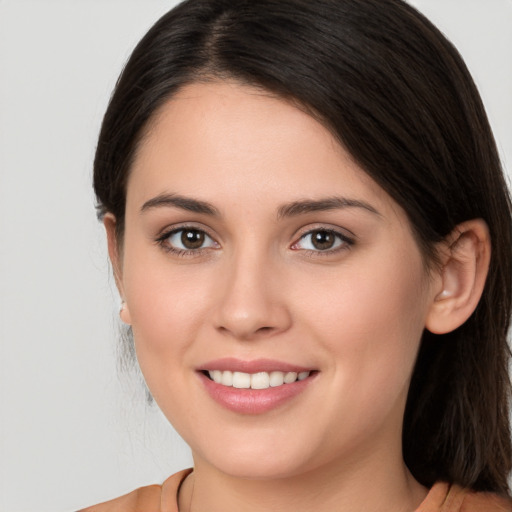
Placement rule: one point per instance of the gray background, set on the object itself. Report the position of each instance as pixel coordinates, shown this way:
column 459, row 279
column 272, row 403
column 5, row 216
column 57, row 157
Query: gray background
column 73, row 431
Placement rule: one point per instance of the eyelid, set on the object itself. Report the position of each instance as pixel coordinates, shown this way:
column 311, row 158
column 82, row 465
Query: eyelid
column 168, row 231
column 338, row 230
column 348, row 240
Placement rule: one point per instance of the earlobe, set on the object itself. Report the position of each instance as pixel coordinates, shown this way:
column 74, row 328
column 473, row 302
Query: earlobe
column 109, row 221
column 124, row 314
column 465, row 256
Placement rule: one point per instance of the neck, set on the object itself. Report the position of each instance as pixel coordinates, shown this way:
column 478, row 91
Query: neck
column 341, row 487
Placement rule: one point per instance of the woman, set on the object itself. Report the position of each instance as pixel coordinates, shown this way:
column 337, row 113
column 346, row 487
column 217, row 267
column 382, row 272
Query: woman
column 310, row 233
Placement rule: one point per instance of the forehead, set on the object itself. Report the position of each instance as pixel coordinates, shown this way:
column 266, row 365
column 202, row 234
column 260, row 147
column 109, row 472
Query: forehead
column 223, row 140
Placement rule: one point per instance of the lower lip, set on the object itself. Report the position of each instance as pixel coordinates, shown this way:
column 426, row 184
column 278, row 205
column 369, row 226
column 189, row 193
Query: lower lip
column 254, row 401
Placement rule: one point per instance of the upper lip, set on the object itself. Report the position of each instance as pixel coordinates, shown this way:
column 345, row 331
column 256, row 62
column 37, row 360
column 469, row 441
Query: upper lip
column 254, row 366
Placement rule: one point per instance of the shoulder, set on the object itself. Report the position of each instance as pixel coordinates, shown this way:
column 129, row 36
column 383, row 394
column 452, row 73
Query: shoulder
column 444, row 497
column 152, row 498
column 485, row 502
column 145, row 498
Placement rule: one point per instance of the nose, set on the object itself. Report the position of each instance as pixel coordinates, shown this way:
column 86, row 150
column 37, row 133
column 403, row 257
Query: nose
column 253, row 301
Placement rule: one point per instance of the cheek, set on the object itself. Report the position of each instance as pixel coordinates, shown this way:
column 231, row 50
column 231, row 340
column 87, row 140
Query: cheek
column 165, row 302
column 164, row 309
column 372, row 320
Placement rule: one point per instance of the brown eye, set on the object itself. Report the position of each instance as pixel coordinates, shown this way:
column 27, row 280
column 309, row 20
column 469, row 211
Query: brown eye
column 192, row 238
column 187, row 239
column 323, row 240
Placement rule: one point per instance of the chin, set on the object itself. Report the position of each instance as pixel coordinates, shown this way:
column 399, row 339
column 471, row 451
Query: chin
column 257, row 462
column 259, row 470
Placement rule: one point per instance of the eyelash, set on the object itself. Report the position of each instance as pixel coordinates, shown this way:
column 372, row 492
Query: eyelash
column 163, row 241
column 344, row 242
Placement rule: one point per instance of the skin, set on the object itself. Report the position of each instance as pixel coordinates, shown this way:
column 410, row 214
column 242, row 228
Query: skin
column 258, row 288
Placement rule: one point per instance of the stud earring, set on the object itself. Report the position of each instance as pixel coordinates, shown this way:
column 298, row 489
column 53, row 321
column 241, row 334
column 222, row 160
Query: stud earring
column 124, row 313
column 444, row 294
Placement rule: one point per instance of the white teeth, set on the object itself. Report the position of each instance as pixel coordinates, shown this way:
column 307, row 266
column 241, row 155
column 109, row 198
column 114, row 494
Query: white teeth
column 276, row 379
column 290, row 377
column 227, row 378
column 260, row 380
column 241, row 380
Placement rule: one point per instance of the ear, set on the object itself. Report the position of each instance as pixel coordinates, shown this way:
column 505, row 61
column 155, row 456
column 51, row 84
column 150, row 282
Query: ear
column 465, row 257
column 114, row 252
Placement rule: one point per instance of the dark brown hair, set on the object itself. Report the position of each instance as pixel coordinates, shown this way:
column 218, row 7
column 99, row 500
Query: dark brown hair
column 399, row 98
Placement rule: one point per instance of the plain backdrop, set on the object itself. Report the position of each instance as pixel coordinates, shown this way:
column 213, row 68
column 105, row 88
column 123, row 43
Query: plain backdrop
column 73, row 430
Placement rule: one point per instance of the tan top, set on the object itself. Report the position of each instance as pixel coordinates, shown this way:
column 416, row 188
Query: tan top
column 164, row 498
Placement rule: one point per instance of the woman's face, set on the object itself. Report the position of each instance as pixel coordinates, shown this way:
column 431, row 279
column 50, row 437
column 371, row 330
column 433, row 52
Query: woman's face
column 254, row 244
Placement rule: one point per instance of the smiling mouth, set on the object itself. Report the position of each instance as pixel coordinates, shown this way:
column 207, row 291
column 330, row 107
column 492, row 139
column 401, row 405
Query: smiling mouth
column 260, row 380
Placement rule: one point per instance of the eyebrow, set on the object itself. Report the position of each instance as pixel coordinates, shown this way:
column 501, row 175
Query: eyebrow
column 292, row 209
column 317, row 205
column 177, row 201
